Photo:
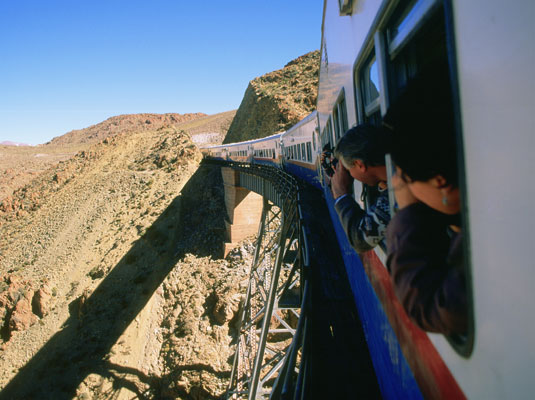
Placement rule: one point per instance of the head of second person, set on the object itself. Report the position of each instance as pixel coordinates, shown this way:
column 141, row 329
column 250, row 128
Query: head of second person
column 424, row 144
column 362, row 152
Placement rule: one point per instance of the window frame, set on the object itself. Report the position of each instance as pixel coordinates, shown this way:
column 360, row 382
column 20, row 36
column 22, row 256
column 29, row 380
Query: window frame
column 386, row 46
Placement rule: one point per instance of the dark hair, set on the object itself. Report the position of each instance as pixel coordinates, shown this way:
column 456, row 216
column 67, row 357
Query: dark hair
column 363, row 142
column 422, row 122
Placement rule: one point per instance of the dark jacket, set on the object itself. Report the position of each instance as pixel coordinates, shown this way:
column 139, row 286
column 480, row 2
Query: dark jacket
column 425, row 260
column 364, row 229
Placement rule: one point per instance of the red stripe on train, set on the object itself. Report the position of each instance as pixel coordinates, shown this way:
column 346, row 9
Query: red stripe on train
column 433, row 376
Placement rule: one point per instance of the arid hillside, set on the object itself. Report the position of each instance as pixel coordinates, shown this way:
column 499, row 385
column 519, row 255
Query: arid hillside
column 122, row 124
column 19, row 165
column 112, row 283
column 277, row 100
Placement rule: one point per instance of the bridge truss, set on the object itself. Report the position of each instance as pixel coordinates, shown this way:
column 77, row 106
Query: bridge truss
column 267, row 356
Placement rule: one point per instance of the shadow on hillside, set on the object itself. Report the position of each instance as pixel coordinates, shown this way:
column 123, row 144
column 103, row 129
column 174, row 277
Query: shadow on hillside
column 193, row 223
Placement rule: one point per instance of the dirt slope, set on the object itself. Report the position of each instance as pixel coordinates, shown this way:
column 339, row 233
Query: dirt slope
column 19, row 165
column 111, row 283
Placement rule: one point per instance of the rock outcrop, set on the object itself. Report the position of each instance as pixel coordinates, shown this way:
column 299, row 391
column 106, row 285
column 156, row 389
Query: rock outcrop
column 275, row 101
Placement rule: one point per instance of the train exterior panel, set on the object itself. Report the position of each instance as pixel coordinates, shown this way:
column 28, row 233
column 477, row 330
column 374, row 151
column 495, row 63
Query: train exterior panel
column 302, row 150
column 489, row 48
column 369, row 50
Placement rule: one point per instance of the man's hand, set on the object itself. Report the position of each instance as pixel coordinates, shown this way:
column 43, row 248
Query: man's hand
column 341, row 181
column 404, row 196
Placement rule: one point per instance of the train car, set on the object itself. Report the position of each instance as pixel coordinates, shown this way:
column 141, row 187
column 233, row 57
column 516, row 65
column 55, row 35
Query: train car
column 267, row 150
column 301, row 149
column 241, row 152
column 217, row 152
column 369, row 50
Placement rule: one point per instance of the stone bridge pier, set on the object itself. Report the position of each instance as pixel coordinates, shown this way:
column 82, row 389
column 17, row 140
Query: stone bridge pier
column 244, row 209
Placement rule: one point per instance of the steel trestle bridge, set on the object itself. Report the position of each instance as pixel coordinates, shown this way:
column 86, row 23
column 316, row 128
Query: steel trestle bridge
column 300, row 335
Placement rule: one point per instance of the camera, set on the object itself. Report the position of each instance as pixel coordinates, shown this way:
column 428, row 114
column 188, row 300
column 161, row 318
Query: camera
column 328, row 163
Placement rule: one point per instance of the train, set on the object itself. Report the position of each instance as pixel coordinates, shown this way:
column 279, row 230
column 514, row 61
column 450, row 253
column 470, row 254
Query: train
column 369, row 50
column 297, row 150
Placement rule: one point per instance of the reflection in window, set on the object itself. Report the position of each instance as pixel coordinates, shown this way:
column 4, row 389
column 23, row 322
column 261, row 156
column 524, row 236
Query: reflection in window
column 371, row 82
column 339, row 117
column 408, row 21
column 370, row 95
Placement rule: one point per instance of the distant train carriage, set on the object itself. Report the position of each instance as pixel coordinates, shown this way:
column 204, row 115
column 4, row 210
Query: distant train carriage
column 267, row 150
column 240, row 152
column 214, row 152
column 301, row 149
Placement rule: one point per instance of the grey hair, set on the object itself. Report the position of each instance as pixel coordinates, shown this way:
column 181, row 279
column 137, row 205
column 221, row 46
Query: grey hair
column 363, row 142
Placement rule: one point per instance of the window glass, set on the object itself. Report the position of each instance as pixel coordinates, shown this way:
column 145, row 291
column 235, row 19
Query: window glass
column 407, row 21
column 369, row 93
column 371, row 82
column 343, row 115
column 336, row 124
column 329, row 128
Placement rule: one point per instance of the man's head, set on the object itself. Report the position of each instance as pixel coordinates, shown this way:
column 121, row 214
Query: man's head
column 362, row 152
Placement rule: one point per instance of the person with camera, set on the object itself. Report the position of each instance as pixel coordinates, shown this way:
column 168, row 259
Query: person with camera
column 361, row 154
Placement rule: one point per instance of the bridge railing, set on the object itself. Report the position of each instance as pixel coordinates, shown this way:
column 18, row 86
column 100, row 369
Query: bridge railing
column 270, row 182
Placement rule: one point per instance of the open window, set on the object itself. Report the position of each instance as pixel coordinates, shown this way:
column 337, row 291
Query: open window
column 413, row 37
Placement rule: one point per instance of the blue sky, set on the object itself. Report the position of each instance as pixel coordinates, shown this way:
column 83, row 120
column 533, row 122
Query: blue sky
column 69, row 64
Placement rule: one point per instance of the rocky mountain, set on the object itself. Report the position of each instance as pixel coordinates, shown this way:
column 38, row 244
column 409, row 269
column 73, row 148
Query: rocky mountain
column 121, row 124
column 277, row 100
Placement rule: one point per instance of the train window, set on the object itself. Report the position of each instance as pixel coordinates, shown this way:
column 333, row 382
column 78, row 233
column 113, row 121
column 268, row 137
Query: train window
column 417, row 38
column 329, row 128
column 407, row 22
column 336, row 124
column 367, row 78
column 309, row 152
column 346, row 7
column 303, row 154
column 425, row 50
column 343, row 114
column 340, row 117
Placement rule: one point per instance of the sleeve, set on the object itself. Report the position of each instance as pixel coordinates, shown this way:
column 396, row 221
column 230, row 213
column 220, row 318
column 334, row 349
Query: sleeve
column 430, row 287
column 364, row 229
